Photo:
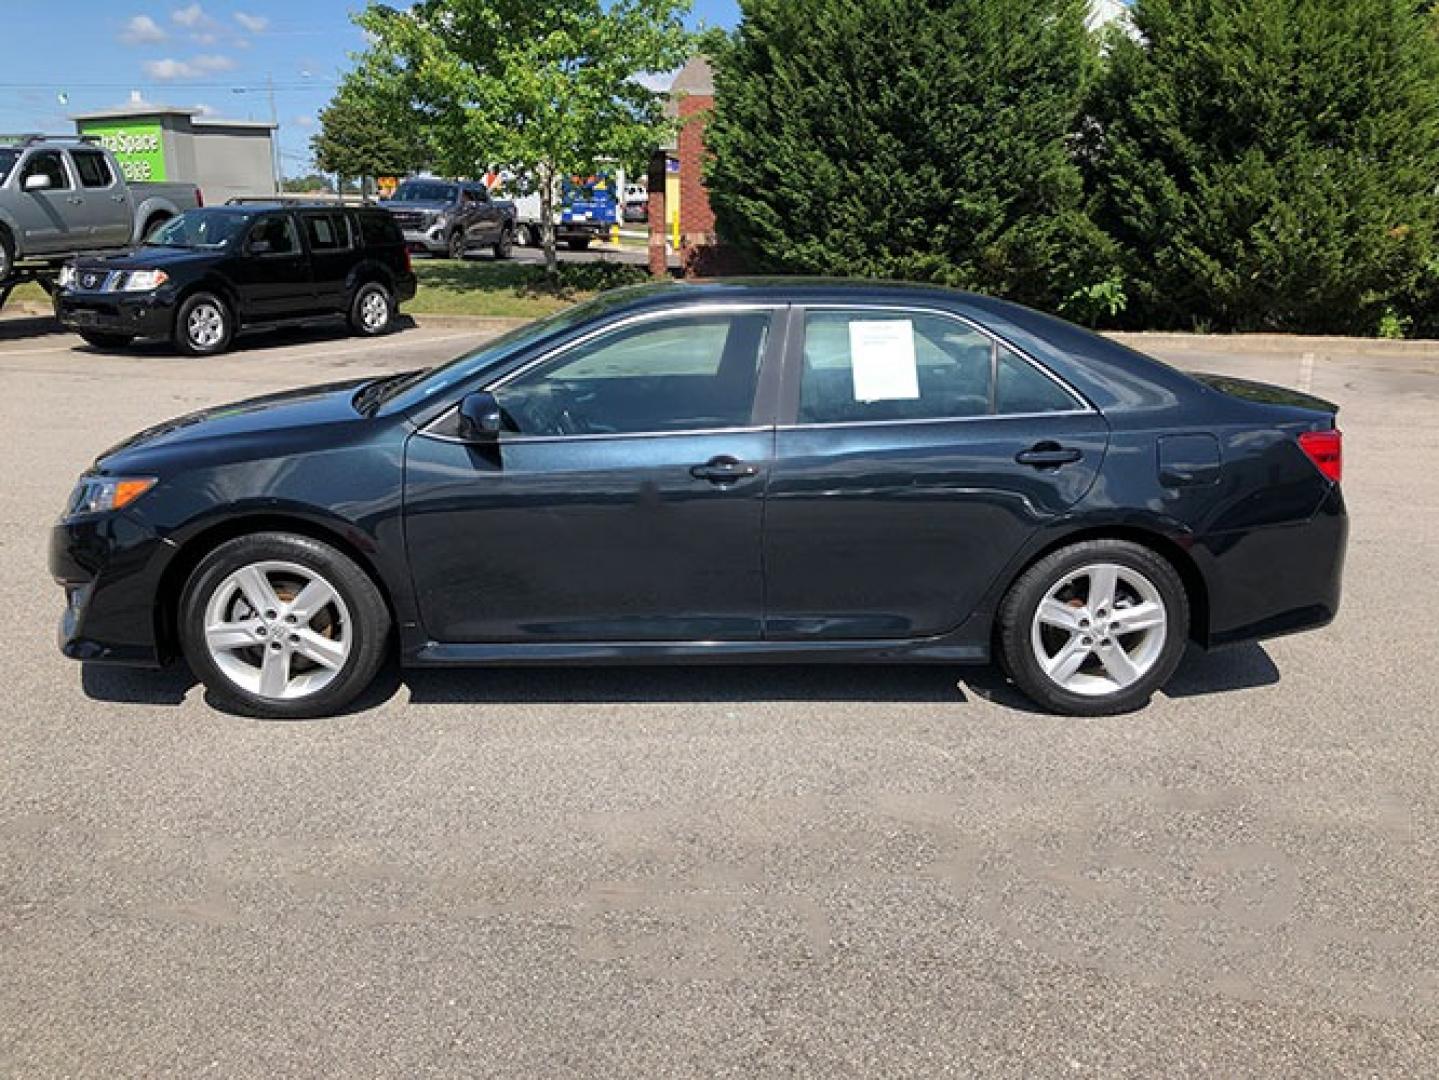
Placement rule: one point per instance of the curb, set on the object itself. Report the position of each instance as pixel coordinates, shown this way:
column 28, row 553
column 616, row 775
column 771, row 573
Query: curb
column 1274, row 344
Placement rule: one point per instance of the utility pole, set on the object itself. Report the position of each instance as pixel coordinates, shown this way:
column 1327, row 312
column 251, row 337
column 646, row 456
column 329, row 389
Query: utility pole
column 274, row 131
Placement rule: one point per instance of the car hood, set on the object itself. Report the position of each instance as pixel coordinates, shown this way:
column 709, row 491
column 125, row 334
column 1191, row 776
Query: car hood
column 258, row 421
column 147, row 257
column 414, row 204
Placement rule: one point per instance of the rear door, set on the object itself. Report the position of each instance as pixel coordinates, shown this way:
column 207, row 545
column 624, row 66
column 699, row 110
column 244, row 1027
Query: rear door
column 332, row 256
column 915, row 454
column 106, row 214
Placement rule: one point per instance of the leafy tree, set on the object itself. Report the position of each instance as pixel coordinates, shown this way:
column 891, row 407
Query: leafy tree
column 924, row 139
column 545, row 88
column 365, row 132
column 1270, row 164
column 310, row 182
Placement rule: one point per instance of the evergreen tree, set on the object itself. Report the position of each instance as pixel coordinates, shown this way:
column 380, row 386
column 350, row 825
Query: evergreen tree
column 1270, row 164
column 923, row 139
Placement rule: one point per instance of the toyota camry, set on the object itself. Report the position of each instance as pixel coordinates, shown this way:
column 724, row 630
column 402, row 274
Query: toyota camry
column 736, row 471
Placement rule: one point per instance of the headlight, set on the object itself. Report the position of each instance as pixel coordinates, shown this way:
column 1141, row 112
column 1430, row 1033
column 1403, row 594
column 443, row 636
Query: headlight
column 101, row 494
column 441, row 220
column 144, row 280
column 67, row 276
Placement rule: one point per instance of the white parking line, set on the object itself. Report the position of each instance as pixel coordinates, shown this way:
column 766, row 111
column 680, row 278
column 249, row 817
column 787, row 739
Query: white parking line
column 1306, row 372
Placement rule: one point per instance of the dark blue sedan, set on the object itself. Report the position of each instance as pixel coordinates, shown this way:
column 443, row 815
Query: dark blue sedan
column 766, row 471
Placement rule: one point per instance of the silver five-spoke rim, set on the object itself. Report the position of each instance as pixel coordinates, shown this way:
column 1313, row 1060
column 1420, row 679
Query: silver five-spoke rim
column 278, row 630
column 1100, row 629
column 374, row 310
column 206, row 325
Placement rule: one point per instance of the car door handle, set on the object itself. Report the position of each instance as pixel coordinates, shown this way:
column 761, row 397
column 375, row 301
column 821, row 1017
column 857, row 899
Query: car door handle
column 75, row 200
column 724, row 470
column 1048, row 455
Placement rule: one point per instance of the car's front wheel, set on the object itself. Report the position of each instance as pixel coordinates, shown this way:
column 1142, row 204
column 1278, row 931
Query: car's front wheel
column 1094, row 628
column 456, row 246
column 284, row 626
column 203, row 325
column 505, row 244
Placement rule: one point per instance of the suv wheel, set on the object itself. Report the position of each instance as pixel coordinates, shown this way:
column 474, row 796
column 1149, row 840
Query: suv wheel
column 1094, row 628
column 284, row 626
column 372, row 310
column 203, row 325
column 580, row 243
column 457, row 244
column 7, row 254
column 505, row 244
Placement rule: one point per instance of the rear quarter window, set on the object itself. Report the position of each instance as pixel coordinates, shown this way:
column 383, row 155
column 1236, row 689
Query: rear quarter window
column 378, row 229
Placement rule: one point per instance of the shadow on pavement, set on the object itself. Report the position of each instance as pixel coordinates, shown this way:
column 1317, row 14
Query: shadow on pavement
column 27, row 327
column 1240, row 668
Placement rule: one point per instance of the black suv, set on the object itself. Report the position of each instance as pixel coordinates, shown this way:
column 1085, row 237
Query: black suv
column 208, row 273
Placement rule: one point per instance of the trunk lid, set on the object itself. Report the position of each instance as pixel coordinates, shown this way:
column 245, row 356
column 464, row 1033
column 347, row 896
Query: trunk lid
column 1258, row 393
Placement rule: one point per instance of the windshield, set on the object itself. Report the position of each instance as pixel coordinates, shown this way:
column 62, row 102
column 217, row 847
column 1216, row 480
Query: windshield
column 199, row 229
column 424, row 192
column 427, row 385
column 7, row 162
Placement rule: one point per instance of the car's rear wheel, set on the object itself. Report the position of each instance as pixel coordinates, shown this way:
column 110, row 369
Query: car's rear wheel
column 281, row 625
column 372, row 310
column 505, row 244
column 203, row 325
column 7, row 254
column 1094, row 628
column 105, row 341
column 579, row 243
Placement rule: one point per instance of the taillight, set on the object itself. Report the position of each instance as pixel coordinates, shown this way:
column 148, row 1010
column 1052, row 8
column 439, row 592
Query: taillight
column 199, row 197
column 1326, row 450
column 409, row 262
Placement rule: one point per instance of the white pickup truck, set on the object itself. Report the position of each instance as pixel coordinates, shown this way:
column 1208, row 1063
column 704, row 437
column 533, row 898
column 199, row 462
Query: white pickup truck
column 65, row 195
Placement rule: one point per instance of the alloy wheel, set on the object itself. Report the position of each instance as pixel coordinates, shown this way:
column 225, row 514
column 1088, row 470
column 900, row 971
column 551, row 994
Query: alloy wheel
column 278, row 630
column 206, row 326
column 374, row 310
column 1099, row 629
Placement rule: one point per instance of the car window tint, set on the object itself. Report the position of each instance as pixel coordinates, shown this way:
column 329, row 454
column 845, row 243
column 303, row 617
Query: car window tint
column 279, row 231
column 47, row 163
column 327, row 232
column 94, row 170
column 878, row 365
column 377, row 229
column 1023, row 388
column 676, row 374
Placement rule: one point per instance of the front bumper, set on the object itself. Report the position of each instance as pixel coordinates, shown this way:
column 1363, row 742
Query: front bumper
column 110, row 566
column 149, row 314
column 434, row 242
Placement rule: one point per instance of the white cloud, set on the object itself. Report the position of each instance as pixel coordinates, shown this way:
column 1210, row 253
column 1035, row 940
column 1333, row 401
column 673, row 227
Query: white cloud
column 307, row 121
column 142, row 30
column 190, row 16
column 206, row 110
column 204, row 64
column 256, row 24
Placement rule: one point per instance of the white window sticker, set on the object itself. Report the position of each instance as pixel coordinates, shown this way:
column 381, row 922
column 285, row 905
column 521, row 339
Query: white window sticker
column 883, row 360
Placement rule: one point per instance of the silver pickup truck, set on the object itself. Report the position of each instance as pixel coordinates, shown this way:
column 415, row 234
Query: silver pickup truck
column 60, row 196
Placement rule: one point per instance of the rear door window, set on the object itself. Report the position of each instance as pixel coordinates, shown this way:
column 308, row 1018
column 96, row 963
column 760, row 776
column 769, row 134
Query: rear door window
column 327, row 232
column 94, row 170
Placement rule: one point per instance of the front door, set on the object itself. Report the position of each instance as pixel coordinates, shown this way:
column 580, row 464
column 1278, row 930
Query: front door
column 273, row 275
column 921, row 454
column 106, row 214
column 50, row 216
column 624, row 505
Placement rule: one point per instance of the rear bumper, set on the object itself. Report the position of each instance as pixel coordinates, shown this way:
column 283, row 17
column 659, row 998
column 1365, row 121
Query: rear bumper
column 110, row 568
column 1278, row 580
column 136, row 315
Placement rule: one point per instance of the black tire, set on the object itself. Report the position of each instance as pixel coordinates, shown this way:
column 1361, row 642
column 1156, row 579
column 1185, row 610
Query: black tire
column 155, row 221
column 7, row 254
column 363, row 605
column 105, row 341
column 456, row 246
column 196, row 342
column 579, row 243
column 524, row 236
column 505, row 245
column 1015, row 628
column 371, row 317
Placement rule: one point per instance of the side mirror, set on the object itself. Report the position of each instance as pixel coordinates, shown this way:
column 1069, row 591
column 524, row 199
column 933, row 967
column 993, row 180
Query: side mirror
column 37, row 182
column 481, row 418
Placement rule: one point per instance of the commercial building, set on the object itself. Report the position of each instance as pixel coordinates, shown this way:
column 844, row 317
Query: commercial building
column 224, row 158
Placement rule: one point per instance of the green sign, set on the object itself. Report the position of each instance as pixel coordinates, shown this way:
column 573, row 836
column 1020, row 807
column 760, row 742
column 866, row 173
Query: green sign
column 138, row 147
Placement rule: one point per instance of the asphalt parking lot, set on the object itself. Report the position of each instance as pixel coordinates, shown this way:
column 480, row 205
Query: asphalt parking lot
column 723, row 872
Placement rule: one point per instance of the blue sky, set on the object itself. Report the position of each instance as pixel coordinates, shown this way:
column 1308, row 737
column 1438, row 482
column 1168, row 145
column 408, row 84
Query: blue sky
column 215, row 54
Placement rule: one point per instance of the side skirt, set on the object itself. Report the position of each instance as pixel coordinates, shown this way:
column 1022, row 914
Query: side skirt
column 923, row 651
